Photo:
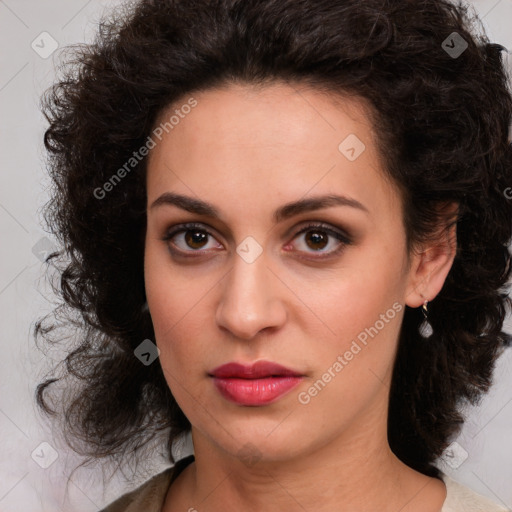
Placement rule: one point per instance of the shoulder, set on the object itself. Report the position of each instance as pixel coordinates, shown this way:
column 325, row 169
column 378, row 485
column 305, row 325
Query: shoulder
column 150, row 496
column 460, row 498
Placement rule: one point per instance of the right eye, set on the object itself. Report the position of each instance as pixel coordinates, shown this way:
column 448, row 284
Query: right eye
column 188, row 238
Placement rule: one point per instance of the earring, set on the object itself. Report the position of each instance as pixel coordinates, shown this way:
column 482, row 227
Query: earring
column 425, row 327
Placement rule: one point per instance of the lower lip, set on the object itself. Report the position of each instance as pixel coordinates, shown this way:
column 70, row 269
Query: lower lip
column 255, row 391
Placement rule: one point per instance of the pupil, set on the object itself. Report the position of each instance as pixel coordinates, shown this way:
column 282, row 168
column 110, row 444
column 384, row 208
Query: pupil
column 316, row 238
column 195, row 238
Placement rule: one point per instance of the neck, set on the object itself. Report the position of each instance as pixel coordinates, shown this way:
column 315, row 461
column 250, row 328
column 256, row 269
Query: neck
column 356, row 471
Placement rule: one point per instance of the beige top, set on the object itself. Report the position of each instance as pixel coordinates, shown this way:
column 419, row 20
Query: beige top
column 150, row 496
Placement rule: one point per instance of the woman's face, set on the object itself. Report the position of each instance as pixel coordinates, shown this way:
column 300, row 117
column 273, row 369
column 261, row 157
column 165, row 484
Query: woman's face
column 244, row 284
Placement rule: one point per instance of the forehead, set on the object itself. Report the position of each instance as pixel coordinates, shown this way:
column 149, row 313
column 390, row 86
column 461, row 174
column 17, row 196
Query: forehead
column 244, row 142
column 276, row 113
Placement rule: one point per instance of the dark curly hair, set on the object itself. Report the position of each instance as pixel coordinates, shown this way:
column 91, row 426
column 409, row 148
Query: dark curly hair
column 442, row 120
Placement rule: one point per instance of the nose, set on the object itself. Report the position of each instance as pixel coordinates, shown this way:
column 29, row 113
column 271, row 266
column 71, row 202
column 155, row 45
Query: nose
column 250, row 300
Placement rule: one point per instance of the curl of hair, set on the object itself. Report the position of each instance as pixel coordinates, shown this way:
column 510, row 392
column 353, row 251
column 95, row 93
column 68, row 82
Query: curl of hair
column 442, row 126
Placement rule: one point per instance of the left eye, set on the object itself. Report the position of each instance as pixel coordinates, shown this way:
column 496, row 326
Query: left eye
column 318, row 236
column 195, row 237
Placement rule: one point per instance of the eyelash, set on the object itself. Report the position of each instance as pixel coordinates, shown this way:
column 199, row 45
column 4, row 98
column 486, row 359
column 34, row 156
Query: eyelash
column 183, row 228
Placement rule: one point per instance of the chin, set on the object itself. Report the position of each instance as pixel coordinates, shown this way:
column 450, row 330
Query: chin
column 258, row 440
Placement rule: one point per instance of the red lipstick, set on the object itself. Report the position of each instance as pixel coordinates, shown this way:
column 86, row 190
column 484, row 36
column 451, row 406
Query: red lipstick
column 258, row 384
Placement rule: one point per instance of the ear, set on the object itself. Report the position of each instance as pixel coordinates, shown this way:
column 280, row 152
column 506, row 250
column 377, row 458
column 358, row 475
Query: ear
column 432, row 261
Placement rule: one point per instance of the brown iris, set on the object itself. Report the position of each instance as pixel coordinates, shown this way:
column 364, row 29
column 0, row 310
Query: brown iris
column 195, row 237
column 316, row 237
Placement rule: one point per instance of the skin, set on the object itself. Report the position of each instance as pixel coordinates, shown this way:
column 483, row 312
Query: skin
column 249, row 151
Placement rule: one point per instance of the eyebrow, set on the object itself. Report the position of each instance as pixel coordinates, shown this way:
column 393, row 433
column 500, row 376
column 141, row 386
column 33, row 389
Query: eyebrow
column 284, row 212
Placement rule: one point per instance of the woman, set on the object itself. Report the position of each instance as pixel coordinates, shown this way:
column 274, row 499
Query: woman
column 286, row 229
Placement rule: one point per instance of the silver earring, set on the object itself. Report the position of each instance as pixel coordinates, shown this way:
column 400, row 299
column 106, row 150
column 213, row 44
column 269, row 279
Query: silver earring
column 425, row 327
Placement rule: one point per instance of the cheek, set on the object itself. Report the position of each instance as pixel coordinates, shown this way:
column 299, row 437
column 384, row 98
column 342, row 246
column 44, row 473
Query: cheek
column 362, row 309
column 179, row 328
column 171, row 293
column 178, row 303
column 354, row 358
column 177, row 318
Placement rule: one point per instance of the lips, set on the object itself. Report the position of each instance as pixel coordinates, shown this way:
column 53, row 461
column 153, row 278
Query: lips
column 261, row 383
column 257, row 370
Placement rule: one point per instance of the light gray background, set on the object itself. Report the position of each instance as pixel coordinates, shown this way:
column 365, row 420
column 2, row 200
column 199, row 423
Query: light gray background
column 485, row 442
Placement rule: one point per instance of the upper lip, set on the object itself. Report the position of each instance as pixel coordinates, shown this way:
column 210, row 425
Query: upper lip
column 256, row 370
